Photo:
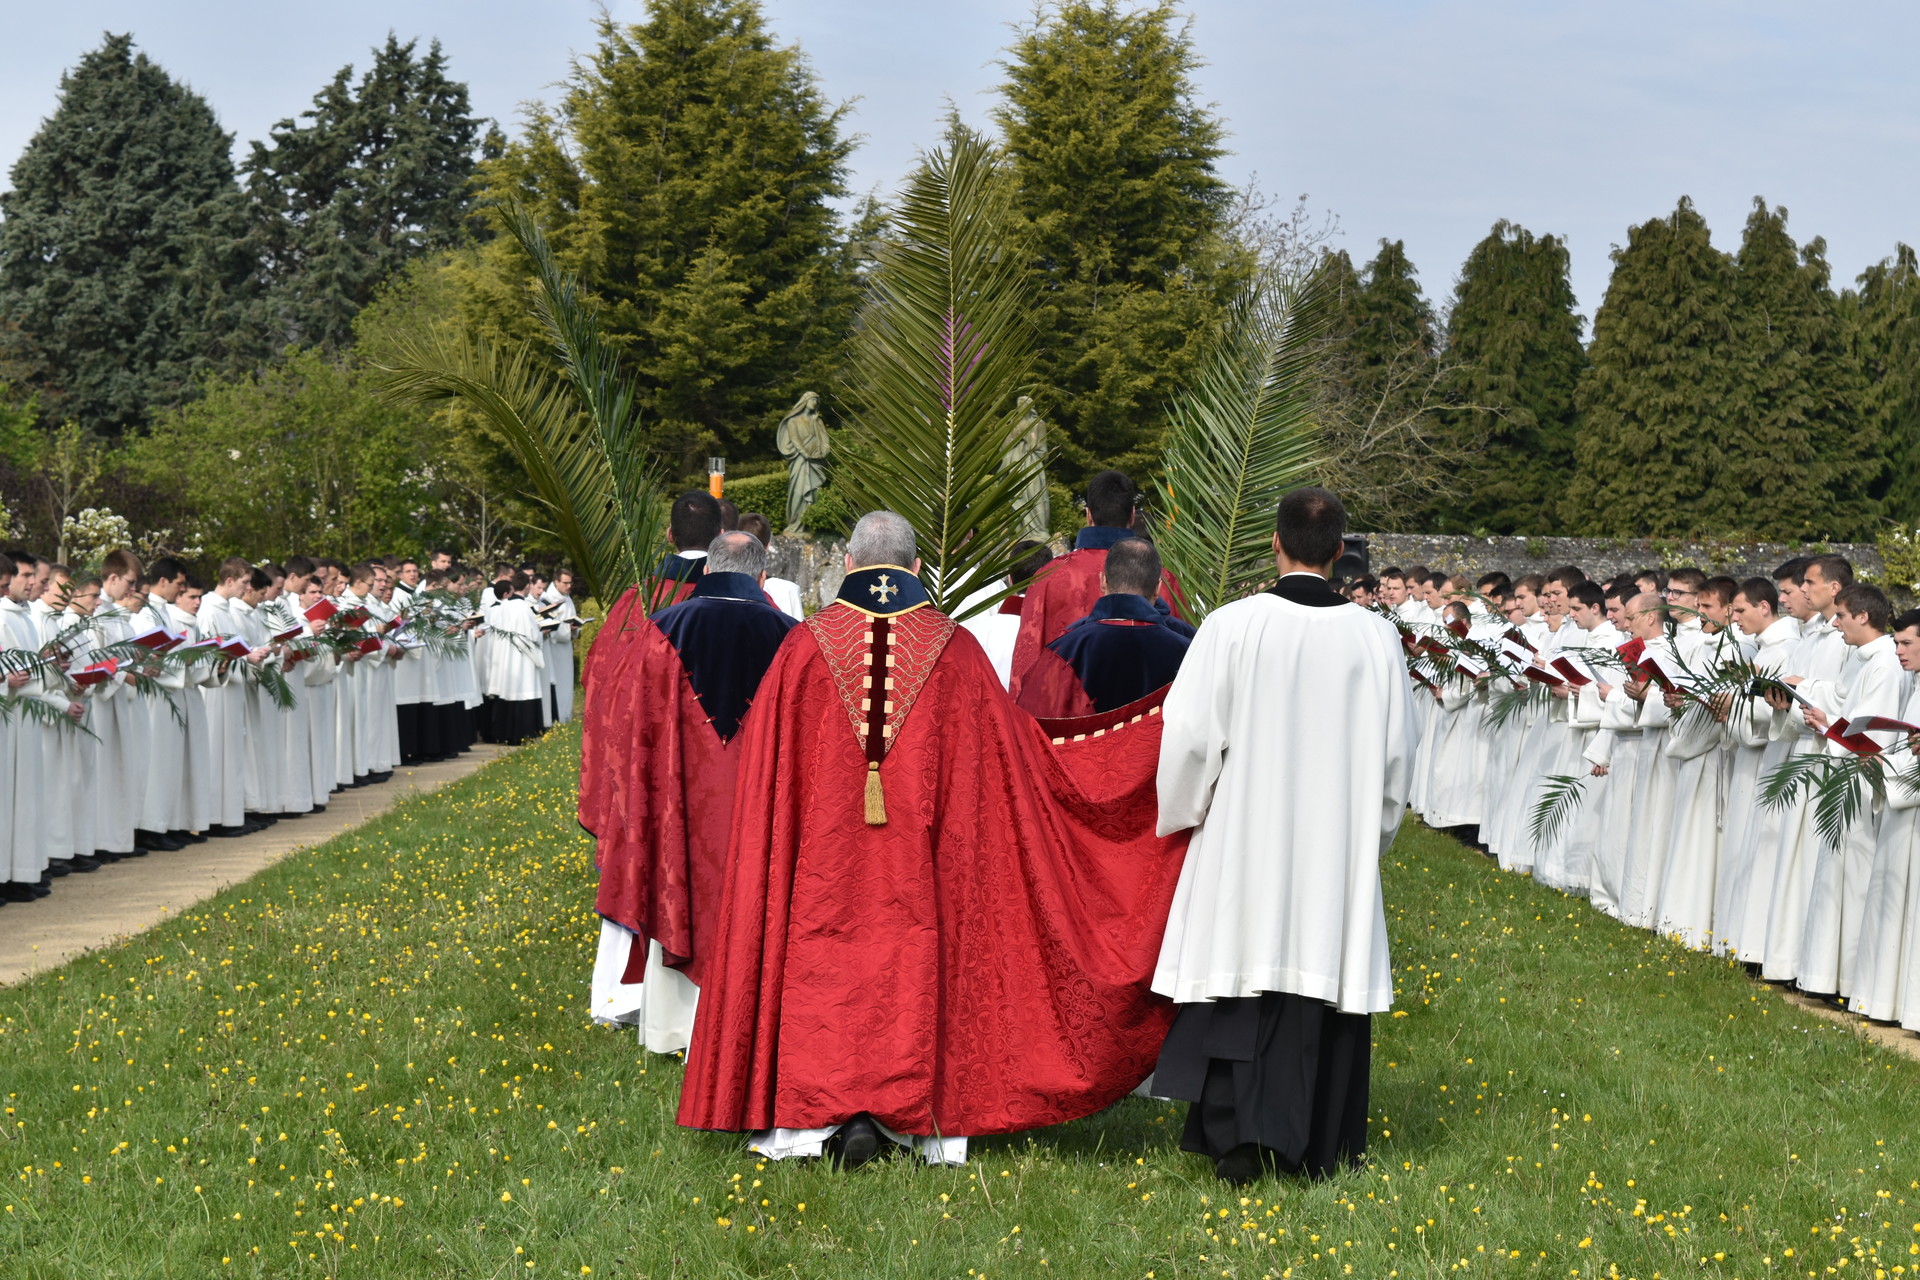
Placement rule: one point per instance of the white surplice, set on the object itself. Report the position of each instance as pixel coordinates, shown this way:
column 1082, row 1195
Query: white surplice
column 1886, row 968
column 1288, row 747
column 1819, row 657
column 1750, row 833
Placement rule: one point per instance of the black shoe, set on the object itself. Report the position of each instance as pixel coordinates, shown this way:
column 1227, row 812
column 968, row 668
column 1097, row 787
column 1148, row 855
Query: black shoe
column 154, row 840
column 196, row 837
column 59, row 867
column 15, row 891
column 1241, row 1165
column 107, row 855
column 81, row 862
column 855, row 1143
column 384, row 776
column 221, row 831
column 319, row 808
column 138, row 851
column 291, row 816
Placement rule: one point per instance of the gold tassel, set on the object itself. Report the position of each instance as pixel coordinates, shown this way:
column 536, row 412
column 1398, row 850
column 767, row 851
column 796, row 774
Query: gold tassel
column 876, row 798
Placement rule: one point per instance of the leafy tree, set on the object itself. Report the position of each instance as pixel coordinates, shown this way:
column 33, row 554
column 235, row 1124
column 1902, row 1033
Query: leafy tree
column 1796, row 457
column 373, row 175
column 1514, row 340
column 1885, row 316
column 123, row 272
column 301, row 457
column 1114, row 162
column 687, row 180
column 1654, row 394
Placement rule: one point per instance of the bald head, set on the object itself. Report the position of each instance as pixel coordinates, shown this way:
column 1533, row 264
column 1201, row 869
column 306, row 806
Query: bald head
column 737, row 552
column 1646, row 616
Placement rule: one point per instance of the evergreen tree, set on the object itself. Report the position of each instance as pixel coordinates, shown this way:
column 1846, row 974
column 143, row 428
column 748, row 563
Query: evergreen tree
column 1885, row 323
column 373, row 175
column 1796, row 457
column 1115, row 166
column 1513, row 343
column 123, row 271
column 687, row 180
column 1654, row 394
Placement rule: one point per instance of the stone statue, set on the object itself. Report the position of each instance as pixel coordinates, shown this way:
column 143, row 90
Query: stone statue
column 1029, row 449
column 802, row 440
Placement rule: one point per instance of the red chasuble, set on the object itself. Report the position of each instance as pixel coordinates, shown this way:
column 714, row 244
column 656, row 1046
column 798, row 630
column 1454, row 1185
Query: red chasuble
column 962, row 946
column 1065, row 592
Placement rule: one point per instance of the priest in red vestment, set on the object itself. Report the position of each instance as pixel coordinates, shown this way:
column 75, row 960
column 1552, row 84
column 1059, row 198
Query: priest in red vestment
column 939, row 918
column 1069, row 587
column 1119, row 653
column 692, row 672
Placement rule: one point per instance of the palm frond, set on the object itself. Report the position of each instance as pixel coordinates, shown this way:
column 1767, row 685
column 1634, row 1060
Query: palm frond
column 1240, row 437
column 1839, row 787
column 1505, row 704
column 34, row 711
column 941, row 351
column 577, row 437
column 1561, row 795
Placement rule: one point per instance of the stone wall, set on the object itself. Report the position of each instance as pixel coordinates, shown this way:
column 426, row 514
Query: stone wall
column 816, row 563
column 1602, row 558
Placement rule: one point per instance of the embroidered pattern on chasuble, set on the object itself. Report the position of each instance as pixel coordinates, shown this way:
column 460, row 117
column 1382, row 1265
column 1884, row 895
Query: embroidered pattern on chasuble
column 880, row 650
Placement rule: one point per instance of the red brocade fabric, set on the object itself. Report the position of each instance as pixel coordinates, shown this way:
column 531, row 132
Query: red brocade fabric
column 1064, row 593
column 602, row 685
column 662, row 862
column 1052, row 689
column 980, row 963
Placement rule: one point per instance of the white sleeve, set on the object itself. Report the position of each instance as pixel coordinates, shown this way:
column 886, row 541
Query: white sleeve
column 1194, row 730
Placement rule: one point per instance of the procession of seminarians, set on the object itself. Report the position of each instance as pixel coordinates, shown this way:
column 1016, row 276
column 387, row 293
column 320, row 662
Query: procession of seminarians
column 1662, row 819
column 267, row 723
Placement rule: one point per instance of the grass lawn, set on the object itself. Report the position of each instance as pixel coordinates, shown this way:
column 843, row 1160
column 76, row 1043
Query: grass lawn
column 375, row 1060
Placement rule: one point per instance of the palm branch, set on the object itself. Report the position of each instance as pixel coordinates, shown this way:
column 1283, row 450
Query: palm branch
column 1560, row 796
column 1238, row 438
column 941, row 351
column 1839, row 787
column 34, row 711
column 577, row 437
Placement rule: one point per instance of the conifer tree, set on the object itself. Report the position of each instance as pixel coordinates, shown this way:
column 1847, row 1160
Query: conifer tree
column 1796, row 458
column 371, row 176
column 1513, row 342
column 687, row 179
column 1115, row 165
column 123, row 272
column 1653, row 397
column 1885, row 316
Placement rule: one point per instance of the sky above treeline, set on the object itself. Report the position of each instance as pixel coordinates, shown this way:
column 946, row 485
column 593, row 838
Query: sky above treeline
column 1420, row 120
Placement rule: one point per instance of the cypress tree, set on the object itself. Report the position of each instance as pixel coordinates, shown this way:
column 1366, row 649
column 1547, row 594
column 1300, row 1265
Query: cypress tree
column 1514, row 343
column 373, row 175
column 1796, row 458
column 1114, row 161
column 1885, row 316
column 1653, row 397
column 123, row 273
column 687, row 179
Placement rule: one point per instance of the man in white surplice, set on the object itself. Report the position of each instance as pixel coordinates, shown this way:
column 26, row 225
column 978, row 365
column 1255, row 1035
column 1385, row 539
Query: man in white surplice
column 1288, row 749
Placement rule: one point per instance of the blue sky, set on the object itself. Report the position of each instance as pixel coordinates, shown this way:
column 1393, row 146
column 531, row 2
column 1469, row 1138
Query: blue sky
column 1422, row 120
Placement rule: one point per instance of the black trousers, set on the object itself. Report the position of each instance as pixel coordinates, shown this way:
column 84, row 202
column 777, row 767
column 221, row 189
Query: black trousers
column 1279, row 1071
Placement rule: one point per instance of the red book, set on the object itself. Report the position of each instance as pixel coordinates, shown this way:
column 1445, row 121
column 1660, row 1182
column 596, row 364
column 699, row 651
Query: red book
column 354, row 617
column 1458, row 628
column 173, row 641
column 234, row 647
column 288, row 633
column 322, row 609
column 1574, row 671
column 96, row 674
column 1858, row 743
column 158, row 639
column 1540, row 675
column 370, row 645
column 1630, row 651
column 1514, row 633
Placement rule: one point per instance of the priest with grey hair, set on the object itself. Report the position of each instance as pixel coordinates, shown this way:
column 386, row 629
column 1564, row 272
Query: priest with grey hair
column 1288, row 751
column 931, row 922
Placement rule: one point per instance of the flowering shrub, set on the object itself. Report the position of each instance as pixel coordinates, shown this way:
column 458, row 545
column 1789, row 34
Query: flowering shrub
column 1900, row 553
column 89, row 536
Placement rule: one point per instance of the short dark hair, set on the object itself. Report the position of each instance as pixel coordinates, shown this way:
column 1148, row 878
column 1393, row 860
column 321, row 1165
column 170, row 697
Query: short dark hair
column 1111, row 497
column 1905, row 622
column 1032, row 558
column 1760, row 590
column 301, row 567
column 1689, row 579
column 1489, row 581
column 758, row 525
column 121, row 563
column 1133, row 567
column 1531, row 582
column 166, row 569
column 1659, row 577
column 1834, row 569
column 1867, row 602
column 729, row 515
column 1393, row 571
column 1721, row 588
column 695, row 520
column 1310, row 521
column 1793, row 570
column 1588, row 594
column 1568, row 576
column 259, row 580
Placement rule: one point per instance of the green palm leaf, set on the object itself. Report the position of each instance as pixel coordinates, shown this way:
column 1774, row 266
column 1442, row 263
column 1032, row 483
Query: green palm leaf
column 577, row 437
column 1560, row 796
column 1240, row 437
column 941, row 351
